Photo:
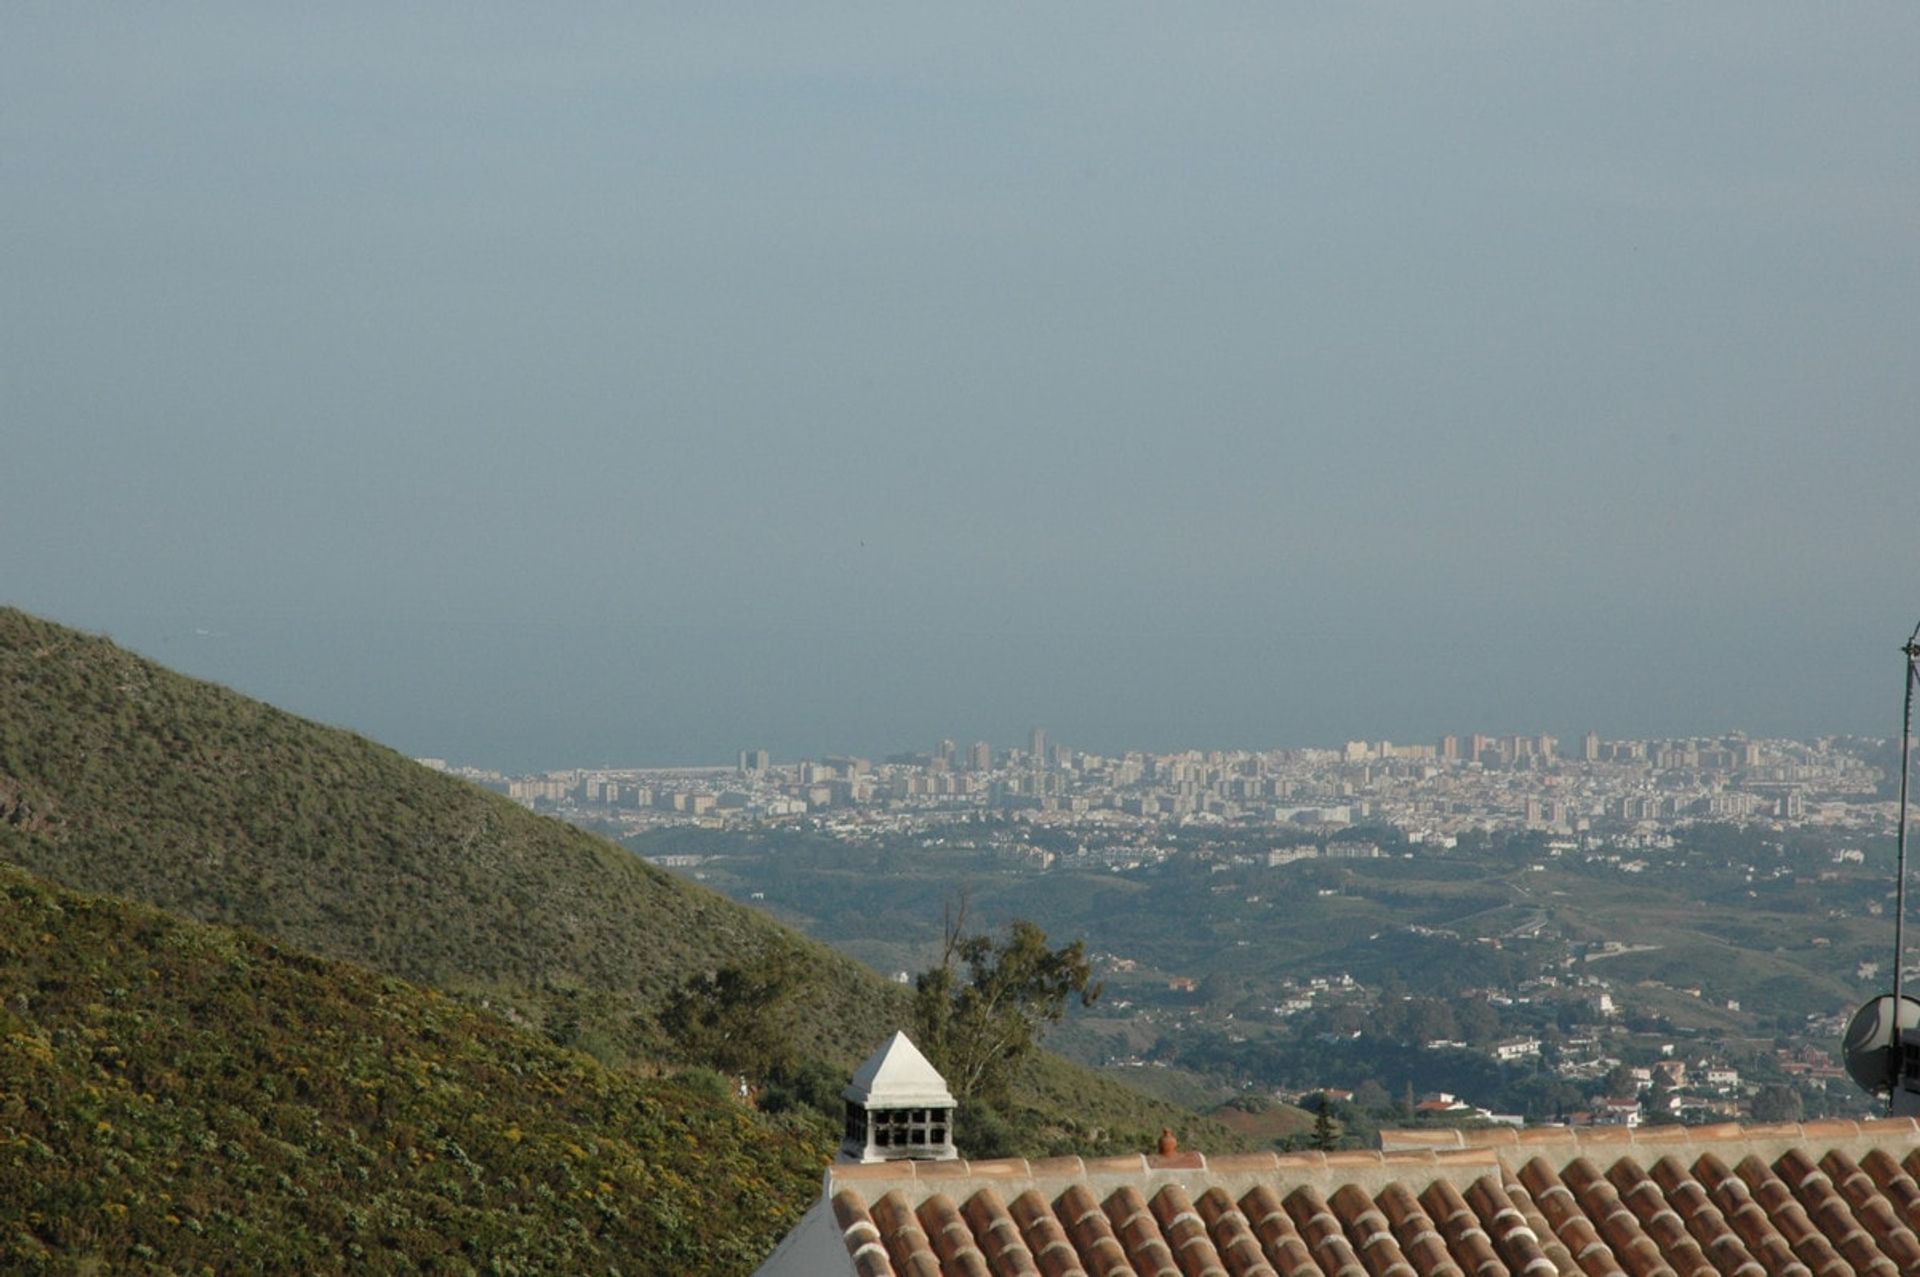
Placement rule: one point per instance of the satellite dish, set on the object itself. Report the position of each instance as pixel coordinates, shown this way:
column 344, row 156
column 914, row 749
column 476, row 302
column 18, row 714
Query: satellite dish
column 1870, row 1048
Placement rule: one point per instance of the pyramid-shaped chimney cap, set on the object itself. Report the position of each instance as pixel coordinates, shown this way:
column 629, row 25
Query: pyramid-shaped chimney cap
column 898, row 1076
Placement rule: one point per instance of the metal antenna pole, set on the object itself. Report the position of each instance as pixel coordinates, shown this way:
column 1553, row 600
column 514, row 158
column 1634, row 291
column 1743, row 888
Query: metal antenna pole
column 1912, row 651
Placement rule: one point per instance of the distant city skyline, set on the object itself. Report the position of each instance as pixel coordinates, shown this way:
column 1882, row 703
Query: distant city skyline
column 981, row 754
column 1628, row 792
column 639, row 383
column 520, row 714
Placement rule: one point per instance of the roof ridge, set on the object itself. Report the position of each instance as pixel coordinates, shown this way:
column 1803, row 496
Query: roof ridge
column 1411, row 1138
column 1046, row 1169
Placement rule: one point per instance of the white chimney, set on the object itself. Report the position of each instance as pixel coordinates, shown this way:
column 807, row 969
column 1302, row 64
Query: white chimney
column 898, row 1108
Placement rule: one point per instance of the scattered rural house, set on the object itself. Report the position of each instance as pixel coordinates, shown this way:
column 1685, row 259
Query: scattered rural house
column 1516, row 1049
column 1723, row 1080
column 1442, row 1102
column 1618, row 1111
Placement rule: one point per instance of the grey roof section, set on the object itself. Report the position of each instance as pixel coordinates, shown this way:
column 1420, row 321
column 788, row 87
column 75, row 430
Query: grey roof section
column 898, row 1076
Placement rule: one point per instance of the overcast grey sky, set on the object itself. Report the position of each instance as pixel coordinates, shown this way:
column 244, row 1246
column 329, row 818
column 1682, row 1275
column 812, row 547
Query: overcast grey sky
column 630, row 384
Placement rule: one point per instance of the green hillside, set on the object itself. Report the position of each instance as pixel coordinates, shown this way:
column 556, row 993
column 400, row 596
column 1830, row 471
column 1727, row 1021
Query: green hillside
column 119, row 776
column 176, row 1097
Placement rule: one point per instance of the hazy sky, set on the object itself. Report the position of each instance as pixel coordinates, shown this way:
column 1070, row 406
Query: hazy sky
column 549, row 385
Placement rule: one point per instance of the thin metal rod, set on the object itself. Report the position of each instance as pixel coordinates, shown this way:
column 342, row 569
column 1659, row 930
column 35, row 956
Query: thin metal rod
column 1912, row 651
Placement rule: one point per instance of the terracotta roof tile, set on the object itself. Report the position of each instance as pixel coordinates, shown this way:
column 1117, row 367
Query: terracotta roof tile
column 862, row 1237
column 1824, row 1199
column 1057, row 1167
column 1748, row 1218
column 1817, row 1196
column 1354, row 1158
column 1890, row 1128
column 889, row 1171
column 1280, row 1240
column 1414, row 1229
column 1438, row 1137
column 1606, row 1135
column 850, row 1210
column 1703, row 1220
column 999, row 1239
column 952, row 1239
column 1187, row 1233
column 1566, row 1223
column 1091, row 1234
column 1514, row 1238
column 1321, row 1229
column 1786, row 1214
column 907, row 1242
column 1004, row 1170
column 1139, row 1235
column 1412, row 1159
column 1878, row 1214
column 1466, row 1157
column 1892, row 1179
column 1532, row 1233
column 1493, row 1136
column 1234, row 1241
column 933, row 1172
column 1469, row 1242
column 1665, row 1134
column 1659, row 1222
column 1046, row 1236
column 1367, row 1230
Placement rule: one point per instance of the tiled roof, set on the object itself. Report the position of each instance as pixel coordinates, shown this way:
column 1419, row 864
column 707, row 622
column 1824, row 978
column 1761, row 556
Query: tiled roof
column 1816, row 1200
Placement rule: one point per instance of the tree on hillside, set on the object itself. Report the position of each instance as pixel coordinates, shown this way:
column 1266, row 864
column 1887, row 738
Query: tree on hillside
column 1618, row 1082
column 1372, row 1096
column 980, row 1012
column 1326, row 1136
column 730, row 1019
column 1657, row 1108
column 1478, row 1022
column 1777, row 1102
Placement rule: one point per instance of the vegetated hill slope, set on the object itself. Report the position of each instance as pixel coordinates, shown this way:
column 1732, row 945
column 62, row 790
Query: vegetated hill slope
column 118, row 775
column 179, row 1097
